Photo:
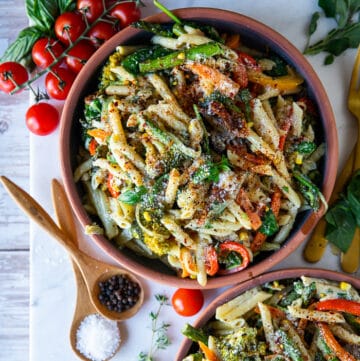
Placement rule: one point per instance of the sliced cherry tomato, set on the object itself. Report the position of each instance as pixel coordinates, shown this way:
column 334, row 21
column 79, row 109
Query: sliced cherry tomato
column 45, row 51
column 340, row 305
column 126, row 13
column 91, row 8
column 211, row 261
column 232, row 246
column 79, row 54
column 187, row 302
column 58, row 83
column 101, row 32
column 12, row 74
column 42, row 118
column 69, row 26
column 248, row 61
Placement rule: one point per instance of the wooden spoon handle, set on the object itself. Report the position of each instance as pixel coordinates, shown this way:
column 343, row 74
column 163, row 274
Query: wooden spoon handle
column 317, row 243
column 35, row 212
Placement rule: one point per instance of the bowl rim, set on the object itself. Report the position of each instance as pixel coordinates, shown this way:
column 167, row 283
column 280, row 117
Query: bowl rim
column 235, row 291
column 284, row 46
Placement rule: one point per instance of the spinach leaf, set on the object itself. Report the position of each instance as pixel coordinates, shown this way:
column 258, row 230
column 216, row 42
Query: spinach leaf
column 341, row 225
column 93, row 110
column 353, row 196
column 306, row 147
column 308, row 190
column 210, row 171
column 21, row 47
column 269, row 224
column 133, row 196
column 280, row 67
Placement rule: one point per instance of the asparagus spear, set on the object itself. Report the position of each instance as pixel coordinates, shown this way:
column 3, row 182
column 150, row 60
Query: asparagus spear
column 178, row 57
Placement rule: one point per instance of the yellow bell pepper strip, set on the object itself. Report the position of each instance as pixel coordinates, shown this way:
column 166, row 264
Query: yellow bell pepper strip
column 99, row 134
column 330, row 340
column 340, row 305
column 283, row 83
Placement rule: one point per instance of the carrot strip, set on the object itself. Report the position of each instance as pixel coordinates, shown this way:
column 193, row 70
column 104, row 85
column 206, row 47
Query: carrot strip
column 244, row 202
column 210, row 355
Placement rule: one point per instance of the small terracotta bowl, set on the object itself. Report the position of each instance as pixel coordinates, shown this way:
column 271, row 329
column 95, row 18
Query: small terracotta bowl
column 256, row 35
column 233, row 292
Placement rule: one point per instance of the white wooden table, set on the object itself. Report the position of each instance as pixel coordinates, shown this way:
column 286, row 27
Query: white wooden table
column 14, row 226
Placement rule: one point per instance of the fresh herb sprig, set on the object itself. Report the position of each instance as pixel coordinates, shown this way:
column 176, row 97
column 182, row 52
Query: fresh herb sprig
column 345, row 35
column 344, row 216
column 159, row 338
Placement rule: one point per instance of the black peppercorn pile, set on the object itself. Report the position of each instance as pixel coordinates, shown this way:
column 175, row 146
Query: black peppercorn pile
column 119, row 293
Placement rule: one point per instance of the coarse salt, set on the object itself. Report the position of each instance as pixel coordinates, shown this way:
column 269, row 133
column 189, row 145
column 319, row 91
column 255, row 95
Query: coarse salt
column 97, row 338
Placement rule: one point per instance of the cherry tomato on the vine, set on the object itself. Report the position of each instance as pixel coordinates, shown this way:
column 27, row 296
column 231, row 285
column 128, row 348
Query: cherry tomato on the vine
column 69, row 26
column 91, row 8
column 45, row 51
column 12, row 74
column 187, row 302
column 101, row 32
column 126, row 13
column 58, row 82
column 79, row 54
column 42, row 118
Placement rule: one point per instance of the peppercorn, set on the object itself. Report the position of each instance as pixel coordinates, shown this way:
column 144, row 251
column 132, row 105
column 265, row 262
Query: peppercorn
column 119, row 293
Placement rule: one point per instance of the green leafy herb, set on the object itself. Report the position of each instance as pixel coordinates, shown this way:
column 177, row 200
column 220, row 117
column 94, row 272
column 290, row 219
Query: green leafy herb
column 344, row 216
column 280, row 67
column 93, row 110
column 159, row 338
column 308, row 189
column 269, row 224
column 245, row 97
column 210, row 171
column 346, row 33
column 133, row 196
column 306, row 147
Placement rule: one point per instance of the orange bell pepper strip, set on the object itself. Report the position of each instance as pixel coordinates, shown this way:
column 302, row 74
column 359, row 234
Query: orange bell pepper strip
column 330, row 340
column 233, row 41
column 340, row 305
column 99, row 133
column 209, row 354
column 113, row 192
column 282, row 83
column 92, row 146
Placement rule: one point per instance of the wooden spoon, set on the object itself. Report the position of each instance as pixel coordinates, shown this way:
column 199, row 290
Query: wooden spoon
column 84, row 306
column 92, row 270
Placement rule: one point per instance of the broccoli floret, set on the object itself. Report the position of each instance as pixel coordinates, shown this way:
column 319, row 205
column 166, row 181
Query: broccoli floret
column 241, row 345
column 107, row 75
column 158, row 245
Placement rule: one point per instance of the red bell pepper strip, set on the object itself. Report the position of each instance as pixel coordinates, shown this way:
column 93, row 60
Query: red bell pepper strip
column 340, row 305
column 113, row 192
column 211, row 261
column 232, row 246
column 92, row 146
column 330, row 340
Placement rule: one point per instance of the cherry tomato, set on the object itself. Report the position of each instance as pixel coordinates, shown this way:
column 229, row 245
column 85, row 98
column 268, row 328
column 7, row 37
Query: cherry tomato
column 79, row 54
column 42, row 118
column 126, row 13
column 91, row 8
column 43, row 49
column 12, row 74
column 58, row 83
column 69, row 26
column 101, row 32
column 187, row 302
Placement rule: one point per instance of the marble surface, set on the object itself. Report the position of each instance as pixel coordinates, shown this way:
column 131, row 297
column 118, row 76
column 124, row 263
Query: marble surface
column 52, row 284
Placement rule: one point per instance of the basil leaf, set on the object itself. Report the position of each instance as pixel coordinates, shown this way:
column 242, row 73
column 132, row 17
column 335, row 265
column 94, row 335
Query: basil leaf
column 306, row 147
column 269, row 224
column 341, row 225
column 313, row 23
column 329, row 7
column 42, row 13
column 132, row 196
column 353, row 196
column 65, row 5
column 21, row 47
column 211, row 171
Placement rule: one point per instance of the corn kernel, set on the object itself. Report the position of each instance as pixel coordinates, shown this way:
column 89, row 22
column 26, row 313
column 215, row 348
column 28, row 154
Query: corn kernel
column 243, row 236
column 181, row 56
column 147, row 216
column 299, row 158
column 250, row 124
column 345, row 286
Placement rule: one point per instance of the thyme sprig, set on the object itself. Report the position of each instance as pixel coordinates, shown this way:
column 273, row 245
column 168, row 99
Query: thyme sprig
column 159, row 337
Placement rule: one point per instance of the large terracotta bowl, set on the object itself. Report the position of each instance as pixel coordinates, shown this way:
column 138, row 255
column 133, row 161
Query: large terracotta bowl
column 209, row 311
column 256, row 35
